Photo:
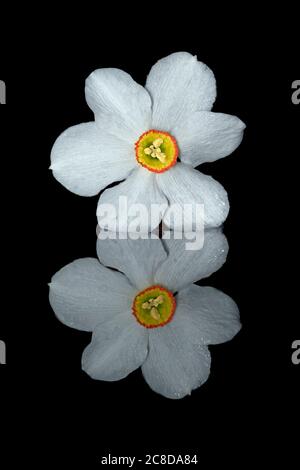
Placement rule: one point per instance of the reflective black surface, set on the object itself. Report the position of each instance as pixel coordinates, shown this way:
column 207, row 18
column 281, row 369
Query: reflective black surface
column 247, row 411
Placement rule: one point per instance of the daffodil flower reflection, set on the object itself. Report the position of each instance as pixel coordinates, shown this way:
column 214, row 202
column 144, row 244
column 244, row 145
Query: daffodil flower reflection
column 147, row 312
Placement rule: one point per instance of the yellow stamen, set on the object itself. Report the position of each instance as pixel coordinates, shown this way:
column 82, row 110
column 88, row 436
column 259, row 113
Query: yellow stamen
column 158, row 301
column 154, row 150
column 153, row 303
column 146, row 306
column 154, row 306
column 158, row 142
column 154, row 313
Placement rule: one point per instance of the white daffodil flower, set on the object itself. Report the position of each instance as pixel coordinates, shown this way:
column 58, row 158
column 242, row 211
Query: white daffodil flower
column 152, row 138
column 148, row 313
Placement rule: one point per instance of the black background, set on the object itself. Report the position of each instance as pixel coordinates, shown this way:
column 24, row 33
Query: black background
column 247, row 411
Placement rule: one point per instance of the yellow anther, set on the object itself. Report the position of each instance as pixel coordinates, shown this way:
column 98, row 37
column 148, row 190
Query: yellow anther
column 154, row 306
column 157, row 143
column 155, row 313
column 159, row 300
column 154, row 150
column 161, row 157
column 146, row 306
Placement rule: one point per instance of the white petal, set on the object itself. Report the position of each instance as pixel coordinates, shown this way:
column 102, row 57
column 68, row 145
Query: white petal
column 179, row 85
column 84, row 293
column 121, row 106
column 137, row 259
column 86, row 160
column 183, row 267
column 118, row 347
column 214, row 315
column 177, row 363
column 206, row 137
column 184, row 185
column 131, row 202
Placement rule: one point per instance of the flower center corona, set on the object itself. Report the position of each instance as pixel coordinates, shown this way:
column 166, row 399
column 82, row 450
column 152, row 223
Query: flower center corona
column 154, row 306
column 156, row 150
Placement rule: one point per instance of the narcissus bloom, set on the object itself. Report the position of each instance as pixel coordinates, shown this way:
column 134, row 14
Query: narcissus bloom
column 148, row 313
column 152, row 138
